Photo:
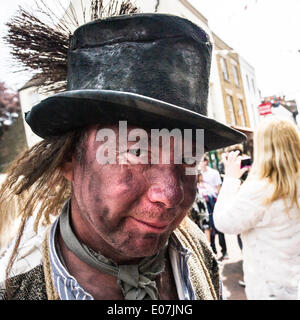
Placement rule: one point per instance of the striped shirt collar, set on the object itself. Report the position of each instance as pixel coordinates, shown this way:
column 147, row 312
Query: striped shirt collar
column 68, row 288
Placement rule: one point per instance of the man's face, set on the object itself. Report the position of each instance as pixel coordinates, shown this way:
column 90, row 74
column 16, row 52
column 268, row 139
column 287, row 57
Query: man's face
column 128, row 210
column 203, row 164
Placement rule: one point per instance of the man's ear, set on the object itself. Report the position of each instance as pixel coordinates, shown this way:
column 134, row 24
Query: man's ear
column 67, row 170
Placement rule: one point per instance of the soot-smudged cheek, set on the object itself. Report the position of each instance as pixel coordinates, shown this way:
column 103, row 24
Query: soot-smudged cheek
column 189, row 184
column 104, row 218
column 189, row 197
column 129, row 181
column 93, row 184
column 108, row 223
column 125, row 178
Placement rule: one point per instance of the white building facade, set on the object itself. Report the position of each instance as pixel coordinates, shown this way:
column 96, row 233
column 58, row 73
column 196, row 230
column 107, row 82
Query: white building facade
column 29, row 96
column 252, row 95
column 282, row 113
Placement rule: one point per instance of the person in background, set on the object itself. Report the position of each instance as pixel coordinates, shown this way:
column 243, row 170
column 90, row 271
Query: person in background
column 208, row 193
column 245, row 163
column 210, row 175
column 199, row 213
column 265, row 210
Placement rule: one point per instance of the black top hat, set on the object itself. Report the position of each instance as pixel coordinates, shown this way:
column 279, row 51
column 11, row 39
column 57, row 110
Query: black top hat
column 148, row 69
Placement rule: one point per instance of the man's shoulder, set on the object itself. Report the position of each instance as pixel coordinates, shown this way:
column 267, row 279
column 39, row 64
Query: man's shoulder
column 204, row 268
column 26, row 286
column 189, row 230
column 213, row 171
column 29, row 253
column 26, row 278
column 210, row 172
column 194, row 239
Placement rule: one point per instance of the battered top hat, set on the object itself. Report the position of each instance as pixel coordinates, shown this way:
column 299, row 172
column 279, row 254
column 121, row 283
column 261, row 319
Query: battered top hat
column 148, row 69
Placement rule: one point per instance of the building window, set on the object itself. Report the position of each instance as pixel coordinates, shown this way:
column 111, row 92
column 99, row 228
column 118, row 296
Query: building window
column 236, row 76
column 248, row 82
column 253, row 86
column 232, row 119
column 224, row 68
column 242, row 113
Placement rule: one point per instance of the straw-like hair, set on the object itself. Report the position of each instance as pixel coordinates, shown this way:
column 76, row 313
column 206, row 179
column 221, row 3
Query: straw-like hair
column 39, row 40
column 9, row 220
column 36, row 182
column 277, row 158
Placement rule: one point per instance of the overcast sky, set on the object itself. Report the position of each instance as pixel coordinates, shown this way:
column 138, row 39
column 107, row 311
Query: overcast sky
column 264, row 32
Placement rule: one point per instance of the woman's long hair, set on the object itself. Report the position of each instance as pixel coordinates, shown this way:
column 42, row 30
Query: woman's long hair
column 277, row 159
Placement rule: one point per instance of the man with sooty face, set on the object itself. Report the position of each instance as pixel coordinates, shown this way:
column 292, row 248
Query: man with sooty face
column 115, row 206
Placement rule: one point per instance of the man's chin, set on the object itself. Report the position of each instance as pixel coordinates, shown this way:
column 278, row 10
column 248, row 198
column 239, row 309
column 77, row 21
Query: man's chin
column 146, row 247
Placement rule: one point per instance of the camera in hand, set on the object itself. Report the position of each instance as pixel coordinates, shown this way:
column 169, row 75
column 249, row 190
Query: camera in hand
column 246, row 163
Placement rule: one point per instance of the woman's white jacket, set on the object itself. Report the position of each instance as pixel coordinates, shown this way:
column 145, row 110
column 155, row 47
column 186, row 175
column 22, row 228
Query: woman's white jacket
column 271, row 238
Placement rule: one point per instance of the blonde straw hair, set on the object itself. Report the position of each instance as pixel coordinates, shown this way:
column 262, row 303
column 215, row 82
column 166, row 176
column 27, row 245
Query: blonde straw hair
column 34, row 185
column 277, row 158
column 9, row 220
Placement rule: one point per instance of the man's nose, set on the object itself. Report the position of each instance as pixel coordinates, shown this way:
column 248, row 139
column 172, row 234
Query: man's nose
column 166, row 188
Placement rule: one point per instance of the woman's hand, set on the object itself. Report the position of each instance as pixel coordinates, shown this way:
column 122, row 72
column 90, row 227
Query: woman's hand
column 232, row 165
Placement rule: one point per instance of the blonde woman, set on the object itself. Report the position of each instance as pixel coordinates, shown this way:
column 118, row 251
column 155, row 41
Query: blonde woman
column 265, row 210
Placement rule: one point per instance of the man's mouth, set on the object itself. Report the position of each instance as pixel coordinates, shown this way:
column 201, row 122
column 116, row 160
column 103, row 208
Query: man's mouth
column 150, row 226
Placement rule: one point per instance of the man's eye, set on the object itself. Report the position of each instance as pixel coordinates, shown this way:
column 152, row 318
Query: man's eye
column 136, row 152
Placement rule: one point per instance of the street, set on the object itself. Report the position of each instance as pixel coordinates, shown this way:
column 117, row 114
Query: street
column 232, row 271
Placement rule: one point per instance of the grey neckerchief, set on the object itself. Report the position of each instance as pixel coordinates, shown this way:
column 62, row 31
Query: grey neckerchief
column 136, row 281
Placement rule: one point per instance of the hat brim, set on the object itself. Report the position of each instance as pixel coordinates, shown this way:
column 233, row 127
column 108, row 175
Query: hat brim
column 71, row 110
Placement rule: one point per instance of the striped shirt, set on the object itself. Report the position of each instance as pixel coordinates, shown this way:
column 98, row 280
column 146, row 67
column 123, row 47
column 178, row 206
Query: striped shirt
column 69, row 289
